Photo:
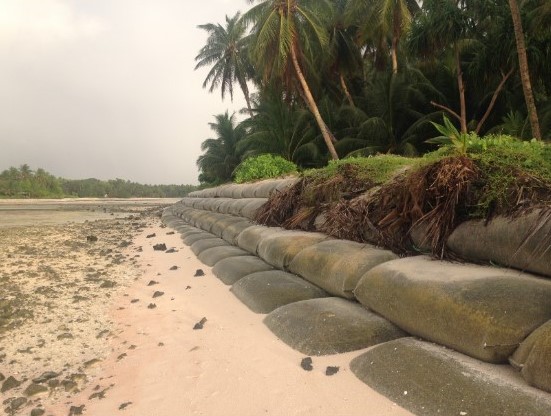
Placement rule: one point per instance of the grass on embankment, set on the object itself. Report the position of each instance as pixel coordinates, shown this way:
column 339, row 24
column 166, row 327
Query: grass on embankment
column 380, row 198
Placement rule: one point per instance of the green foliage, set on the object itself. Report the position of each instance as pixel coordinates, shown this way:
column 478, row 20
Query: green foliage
column 507, row 165
column 377, row 169
column 450, row 136
column 263, row 167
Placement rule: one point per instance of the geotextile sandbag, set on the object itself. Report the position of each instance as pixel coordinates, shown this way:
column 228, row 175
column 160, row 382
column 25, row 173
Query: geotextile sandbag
column 232, row 269
column 206, row 222
column 430, row 380
column 533, row 358
column 250, row 209
column 236, row 206
column 265, row 291
column 213, row 255
column 231, row 232
column 224, row 221
column 523, row 242
column 338, row 265
column 191, row 238
column 484, row 312
column 280, row 248
column 250, row 238
column 204, row 244
column 264, row 188
column 329, row 326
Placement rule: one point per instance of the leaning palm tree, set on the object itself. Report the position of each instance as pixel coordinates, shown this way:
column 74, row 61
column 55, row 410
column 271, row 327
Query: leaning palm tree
column 524, row 71
column 286, row 35
column 225, row 53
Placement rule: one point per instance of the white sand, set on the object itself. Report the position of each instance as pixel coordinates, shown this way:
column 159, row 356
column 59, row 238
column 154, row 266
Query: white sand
column 233, row 366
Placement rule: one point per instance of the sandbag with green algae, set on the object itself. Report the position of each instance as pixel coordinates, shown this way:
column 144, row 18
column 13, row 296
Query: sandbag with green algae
column 533, row 358
column 250, row 238
column 232, row 231
column 204, row 244
column 523, row 242
column 280, row 248
column 430, row 380
column 250, row 209
column 329, row 326
column 484, row 312
column 232, row 269
column 192, row 238
column 213, row 255
column 338, row 265
column 263, row 292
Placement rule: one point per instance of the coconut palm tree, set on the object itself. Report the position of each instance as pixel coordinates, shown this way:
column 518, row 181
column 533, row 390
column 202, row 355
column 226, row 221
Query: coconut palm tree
column 524, row 70
column 225, row 53
column 220, row 157
column 287, row 36
column 383, row 19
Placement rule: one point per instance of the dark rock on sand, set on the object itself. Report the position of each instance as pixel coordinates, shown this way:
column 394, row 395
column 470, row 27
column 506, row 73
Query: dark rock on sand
column 134, row 300
column 306, row 364
column 171, row 250
column 9, row 383
column 158, row 293
column 16, row 404
column 124, row 405
column 199, row 272
column 37, row 411
column 91, row 238
column 151, row 306
column 34, row 389
column 76, row 410
column 200, row 324
column 174, row 268
column 330, row 370
column 108, row 284
column 151, row 235
column 65, row 335
column 159, row 247
column 152, row 282
column 45, row 377
column 2, row 377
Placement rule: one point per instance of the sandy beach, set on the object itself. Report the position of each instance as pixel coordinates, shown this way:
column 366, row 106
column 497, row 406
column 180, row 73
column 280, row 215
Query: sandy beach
column 159, row 341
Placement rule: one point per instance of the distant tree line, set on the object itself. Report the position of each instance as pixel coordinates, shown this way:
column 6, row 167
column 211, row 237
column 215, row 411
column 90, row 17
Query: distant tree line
column 23, row 182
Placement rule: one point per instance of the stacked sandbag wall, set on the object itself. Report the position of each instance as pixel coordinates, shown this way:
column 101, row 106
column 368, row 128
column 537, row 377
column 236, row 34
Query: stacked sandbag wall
column 324, row 296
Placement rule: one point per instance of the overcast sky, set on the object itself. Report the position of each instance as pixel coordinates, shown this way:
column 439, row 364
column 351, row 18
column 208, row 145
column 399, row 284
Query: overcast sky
column 106, row 88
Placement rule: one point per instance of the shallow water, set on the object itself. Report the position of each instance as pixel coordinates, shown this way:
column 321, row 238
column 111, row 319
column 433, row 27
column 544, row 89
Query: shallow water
column 14, row 213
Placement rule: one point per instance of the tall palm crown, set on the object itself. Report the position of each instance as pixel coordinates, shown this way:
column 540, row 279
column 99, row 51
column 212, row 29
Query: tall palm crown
column 288, row 37
column 225, row 53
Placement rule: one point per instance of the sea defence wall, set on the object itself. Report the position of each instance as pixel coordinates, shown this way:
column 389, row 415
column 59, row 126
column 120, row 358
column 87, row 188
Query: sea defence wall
column 436, row 337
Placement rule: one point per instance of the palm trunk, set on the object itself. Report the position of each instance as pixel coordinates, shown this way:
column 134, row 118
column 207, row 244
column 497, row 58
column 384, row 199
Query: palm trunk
column 346, row 92
column 327, row 135
column 245, row 90
column 524, row 71
column 394, row 53
column 493, row 100
column 461, row 87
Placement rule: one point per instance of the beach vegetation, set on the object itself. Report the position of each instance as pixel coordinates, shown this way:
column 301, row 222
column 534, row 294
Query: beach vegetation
column 263, row 167
column 339, row 78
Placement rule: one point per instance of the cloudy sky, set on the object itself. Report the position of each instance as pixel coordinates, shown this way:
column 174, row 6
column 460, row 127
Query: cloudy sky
column 107, row 88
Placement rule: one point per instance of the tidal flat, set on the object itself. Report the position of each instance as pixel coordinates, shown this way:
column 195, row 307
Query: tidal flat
column 60, row 264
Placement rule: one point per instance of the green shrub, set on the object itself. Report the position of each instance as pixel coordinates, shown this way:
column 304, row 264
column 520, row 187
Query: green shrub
column 263, row 167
